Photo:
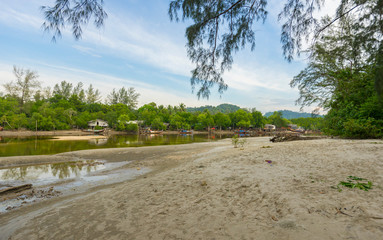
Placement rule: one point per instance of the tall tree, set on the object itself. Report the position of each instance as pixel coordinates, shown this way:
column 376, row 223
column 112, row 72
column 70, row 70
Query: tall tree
column 92, row 95
column 25, row 85
column 277, row 120
column 339, row 49
column 79, row 92
column 63, row 89
column 222, row 120
column 128, row 97
column 257, row 119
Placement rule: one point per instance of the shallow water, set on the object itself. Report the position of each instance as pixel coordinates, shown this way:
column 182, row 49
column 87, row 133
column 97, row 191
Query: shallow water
column 47, row 173
column 42, row 145
column 63, row 178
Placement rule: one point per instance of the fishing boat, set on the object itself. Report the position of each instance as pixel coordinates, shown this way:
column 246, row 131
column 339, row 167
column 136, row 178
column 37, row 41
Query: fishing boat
column 93, row 131
column 242, row 133
column 186, row 132
column 149, row 131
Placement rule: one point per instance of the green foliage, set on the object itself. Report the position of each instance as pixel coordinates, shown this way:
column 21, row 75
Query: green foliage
column 8, row 106
column 243, row 124
column 222, row 120
column 237, row 141
column 180, row 120
column 362, row 128
column 277, row 120
column 257, row 119
column 69, row 108
column 316, row 123
column 355, row 182
column 127, row 97
column 157, row 124
column 241, row 118
column 122, row 122
column 64, row 90
column 131, row 128
column 342, row 76
column 205, row 119
column 18, row 121
column 147, row 113
column 355, row 110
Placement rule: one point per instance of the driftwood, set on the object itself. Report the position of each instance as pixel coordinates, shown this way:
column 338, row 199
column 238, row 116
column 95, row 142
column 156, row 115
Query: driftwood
column 15, row 189
column 284, row 137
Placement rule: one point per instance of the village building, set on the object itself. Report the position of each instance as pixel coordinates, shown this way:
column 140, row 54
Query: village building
column 293, row 126
column 270, row 127
column 97, row 123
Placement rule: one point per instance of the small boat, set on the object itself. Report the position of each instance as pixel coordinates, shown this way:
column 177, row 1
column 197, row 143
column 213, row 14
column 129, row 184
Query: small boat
column 149, row 131
column 242, row 133
column 186, row 132
column 93, row 131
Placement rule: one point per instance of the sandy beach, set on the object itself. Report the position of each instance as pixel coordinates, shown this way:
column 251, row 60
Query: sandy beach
column 214, row 191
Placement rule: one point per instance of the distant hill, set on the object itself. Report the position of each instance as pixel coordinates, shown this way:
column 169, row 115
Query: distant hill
column 290, row 114
column 224, row 108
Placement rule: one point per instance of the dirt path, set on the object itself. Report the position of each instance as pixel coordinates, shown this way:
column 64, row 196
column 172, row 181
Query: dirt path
column 213, row 191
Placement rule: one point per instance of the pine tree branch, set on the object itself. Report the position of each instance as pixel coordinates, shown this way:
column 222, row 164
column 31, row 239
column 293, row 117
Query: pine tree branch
column 334, row 20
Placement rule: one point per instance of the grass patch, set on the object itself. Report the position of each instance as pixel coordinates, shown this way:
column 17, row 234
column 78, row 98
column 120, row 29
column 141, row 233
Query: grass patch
column 355, row 182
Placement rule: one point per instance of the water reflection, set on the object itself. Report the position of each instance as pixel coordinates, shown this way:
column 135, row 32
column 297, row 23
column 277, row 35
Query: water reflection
column 98, row 141
column 38, row 145
column 51, row 171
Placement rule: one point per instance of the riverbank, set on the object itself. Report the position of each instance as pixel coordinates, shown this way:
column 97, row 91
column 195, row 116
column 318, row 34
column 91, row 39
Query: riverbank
column 214, row 191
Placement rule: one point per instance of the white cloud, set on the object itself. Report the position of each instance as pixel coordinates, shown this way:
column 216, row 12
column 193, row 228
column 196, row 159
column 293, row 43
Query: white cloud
column 19, row 19
column 127, row 39
column 248, row 79
column 87, row 50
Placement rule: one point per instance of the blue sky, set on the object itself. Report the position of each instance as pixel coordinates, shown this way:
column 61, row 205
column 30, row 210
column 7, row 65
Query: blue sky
column 139, row 47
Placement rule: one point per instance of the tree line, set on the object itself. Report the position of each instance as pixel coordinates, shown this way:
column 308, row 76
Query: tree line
column 27, row 105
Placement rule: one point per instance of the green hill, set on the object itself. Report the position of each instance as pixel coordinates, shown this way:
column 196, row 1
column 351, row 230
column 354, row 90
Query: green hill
column 291, row 115
column 224, row 108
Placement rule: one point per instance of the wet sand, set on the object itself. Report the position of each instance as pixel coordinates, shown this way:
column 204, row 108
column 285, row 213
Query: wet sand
column 214, row 191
